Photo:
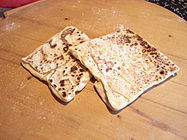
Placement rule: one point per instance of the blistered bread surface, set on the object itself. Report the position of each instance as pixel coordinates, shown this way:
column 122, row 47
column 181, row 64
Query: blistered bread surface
column 52, row 62
column 125, row 64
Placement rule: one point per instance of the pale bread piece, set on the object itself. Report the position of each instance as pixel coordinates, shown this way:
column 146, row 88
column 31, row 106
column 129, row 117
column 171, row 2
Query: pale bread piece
column 124, row 65
column 52, row 58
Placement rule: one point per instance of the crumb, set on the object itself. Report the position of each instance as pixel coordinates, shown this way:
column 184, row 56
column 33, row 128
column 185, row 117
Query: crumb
column 118, row 116
column 28, row 78
column 66, row 18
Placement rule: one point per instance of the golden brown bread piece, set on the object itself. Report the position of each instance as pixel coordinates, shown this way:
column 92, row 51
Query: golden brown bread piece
column 52, row 62
column 124, row 65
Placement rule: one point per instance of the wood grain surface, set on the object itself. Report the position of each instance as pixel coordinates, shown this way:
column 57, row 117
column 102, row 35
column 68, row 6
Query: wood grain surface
column 28, row 111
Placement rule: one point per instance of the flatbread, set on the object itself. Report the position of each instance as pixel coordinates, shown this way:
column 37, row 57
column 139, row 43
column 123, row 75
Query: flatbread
column 124, row 65
column 52, row 58
column 66, row 80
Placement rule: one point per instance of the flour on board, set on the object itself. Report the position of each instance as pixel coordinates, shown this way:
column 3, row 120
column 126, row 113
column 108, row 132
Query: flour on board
column 11, row 26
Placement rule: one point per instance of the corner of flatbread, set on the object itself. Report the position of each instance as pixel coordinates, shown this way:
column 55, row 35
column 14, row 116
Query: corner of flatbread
column 52, row 62
column 125, row 65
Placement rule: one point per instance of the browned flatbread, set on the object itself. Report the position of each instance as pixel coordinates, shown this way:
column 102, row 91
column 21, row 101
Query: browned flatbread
column 67, row 79
column 124, row 65
column 50, row 60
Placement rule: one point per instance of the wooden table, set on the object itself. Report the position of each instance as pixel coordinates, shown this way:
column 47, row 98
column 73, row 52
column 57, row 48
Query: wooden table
column 28, row 111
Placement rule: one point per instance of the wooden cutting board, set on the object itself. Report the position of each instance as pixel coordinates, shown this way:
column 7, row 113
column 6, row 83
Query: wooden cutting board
column 28, row 111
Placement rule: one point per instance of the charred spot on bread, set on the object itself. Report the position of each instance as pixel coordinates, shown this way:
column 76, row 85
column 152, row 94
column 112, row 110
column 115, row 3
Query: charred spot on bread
column 127, row 39
column 82, row 41
column 82, row 70
column 62, row 82
column 129, row 31
column 66, row 48
column 64, row 94
column 73, row 69
column 78, row 78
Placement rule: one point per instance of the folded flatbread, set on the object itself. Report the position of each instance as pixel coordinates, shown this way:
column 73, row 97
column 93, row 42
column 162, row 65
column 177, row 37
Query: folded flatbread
column 124, row 65
column 53, row 63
